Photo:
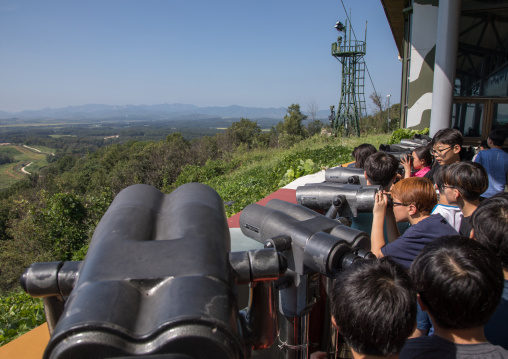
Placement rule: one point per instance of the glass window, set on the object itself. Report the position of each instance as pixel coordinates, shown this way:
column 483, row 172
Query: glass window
column 468, row 118
column 482, row 66
column 500, row 118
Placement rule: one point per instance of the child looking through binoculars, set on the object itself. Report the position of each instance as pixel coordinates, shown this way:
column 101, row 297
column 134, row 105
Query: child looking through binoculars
column 420, row 159
column 413, row 200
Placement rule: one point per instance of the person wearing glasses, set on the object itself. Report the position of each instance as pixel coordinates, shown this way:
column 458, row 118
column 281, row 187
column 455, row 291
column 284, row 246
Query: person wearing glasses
column 464, row 183
column 450, row 212
column 446, row 146
column 413, row 200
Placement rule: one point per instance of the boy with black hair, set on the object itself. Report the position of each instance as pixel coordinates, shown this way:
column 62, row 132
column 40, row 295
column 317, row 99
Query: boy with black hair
column 451, row 213
column 464, row 182
column 459, row 283
column 374, row 308
column 490, row 227
column 446, row 146
column 380, row 168
column 495, row 162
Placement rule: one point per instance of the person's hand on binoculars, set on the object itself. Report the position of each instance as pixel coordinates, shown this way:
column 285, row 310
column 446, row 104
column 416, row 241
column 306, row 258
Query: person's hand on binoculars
column 380, row 204
column 406, row 163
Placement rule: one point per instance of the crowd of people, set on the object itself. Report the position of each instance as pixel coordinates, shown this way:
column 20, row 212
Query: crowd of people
column 439, row 287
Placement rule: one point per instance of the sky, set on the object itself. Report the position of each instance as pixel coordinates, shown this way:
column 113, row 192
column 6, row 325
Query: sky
column 264, row 53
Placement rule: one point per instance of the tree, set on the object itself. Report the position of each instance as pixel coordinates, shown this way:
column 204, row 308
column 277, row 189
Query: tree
column 313, row 110
column 377, row 100
column 314, row 127
column 244, row 131
column 292, row 124
column 378, row 121
column 64, row 219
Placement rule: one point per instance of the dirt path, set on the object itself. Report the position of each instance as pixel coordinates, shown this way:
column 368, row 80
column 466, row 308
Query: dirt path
column 33, row 149
column 8, row 172
column 27, row 152
column 25, row 171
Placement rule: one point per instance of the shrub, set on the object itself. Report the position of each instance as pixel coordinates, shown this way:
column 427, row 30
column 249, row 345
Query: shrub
column 403, row 133
column 19, row 313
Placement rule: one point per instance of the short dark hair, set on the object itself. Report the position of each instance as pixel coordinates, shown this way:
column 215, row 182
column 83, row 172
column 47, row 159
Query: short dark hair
column 381, row 168
column 490, row 224
column 438, row 177
column 360, row 153
column 498, row 137
column 374, row 306
column 423, row 153
column 470, row 178
column 448, row 136
column 459, row 280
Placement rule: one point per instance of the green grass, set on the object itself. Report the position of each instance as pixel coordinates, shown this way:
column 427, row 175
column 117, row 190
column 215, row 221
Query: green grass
column 261, row 172
column 59, row 136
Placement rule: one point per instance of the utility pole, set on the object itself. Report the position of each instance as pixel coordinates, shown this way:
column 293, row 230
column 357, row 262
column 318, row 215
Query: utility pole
column 388, row 97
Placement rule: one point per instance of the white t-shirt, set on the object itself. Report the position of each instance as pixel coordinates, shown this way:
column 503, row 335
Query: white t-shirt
column 451, row 213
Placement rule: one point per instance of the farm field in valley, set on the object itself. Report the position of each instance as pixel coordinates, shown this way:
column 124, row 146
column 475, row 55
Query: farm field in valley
column 29, row 158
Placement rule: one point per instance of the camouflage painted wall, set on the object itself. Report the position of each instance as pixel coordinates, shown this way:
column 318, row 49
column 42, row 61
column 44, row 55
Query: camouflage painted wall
column 421, row 71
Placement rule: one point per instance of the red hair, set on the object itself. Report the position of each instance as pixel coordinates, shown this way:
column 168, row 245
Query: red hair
column 418, row 191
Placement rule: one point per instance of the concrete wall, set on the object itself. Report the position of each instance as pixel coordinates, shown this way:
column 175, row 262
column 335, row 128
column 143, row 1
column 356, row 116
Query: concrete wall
column 421, row 72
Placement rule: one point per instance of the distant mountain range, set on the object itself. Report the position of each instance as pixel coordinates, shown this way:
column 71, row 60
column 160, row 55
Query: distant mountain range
column 156, row 112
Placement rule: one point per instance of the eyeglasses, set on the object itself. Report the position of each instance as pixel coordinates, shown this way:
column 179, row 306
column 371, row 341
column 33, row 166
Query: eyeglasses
column 439, row 152
column 399, row 204
column 446, row 186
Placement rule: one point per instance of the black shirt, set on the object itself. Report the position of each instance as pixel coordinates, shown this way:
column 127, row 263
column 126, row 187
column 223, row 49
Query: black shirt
column 465, row 227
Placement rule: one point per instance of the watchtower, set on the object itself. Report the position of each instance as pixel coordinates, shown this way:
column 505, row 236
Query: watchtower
column 352, row 106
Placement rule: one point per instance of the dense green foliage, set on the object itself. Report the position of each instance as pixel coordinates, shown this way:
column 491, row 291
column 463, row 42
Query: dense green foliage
column 4, row 159
column 403, row 133
column 377, row 122
column 19, row 313
column 52, row 214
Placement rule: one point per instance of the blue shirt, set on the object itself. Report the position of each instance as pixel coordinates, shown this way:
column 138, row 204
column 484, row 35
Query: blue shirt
column 496, row 330
column 405, row 248
column 495, row 162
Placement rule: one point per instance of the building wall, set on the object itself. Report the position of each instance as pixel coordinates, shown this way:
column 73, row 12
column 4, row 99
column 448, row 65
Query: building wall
column 421, row 69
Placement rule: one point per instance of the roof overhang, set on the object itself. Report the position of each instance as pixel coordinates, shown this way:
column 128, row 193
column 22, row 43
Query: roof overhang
column 394, row 11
